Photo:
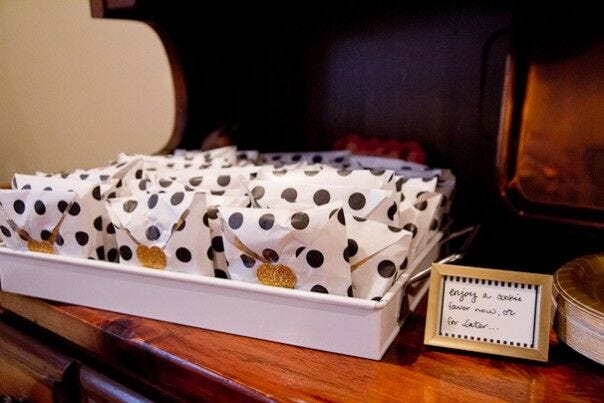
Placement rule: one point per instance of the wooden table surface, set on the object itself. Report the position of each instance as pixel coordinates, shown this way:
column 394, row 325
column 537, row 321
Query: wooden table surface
column 193, row 363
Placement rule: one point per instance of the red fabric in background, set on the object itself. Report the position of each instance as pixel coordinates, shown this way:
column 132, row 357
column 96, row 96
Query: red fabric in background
column 406, row 150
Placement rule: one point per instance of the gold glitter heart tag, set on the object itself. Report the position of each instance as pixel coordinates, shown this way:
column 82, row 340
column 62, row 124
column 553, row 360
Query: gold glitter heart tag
column 277, row 275
column 41, row 246
column 151, row 257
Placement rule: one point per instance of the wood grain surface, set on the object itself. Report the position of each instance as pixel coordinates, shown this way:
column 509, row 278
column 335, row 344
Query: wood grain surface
column 195, row 363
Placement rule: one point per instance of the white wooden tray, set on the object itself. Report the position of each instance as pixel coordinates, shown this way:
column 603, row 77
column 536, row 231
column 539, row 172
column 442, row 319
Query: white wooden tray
column 352, row 326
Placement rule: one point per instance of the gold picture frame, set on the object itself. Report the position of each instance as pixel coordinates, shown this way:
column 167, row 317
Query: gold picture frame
column 489, row 311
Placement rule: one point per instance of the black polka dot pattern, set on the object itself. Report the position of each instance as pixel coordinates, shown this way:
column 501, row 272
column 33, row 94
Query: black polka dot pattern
column 130, row 205
column 220, row 274
column 319, row 288
column 223, row 180
column 357, row 201
column 152, row 233
column 392, row 211
column 299, row 250
column 350, row 291
column 235, row 220
column 75, row 209
column 421, row 206
column 100, row 253
column 39, row 207
column 314, row 258
column 399, row 184
column 96, row 193
column 266, row 221
column 110, row 229
column 125, row 252
column 5, row 231
column 210, row 253
column 353, row 247
column 217, row 244
column 270, row 255
column 81, row 237
column 386, row 268
column 112, row 255
column 196, row 181
column 403, row 265
column 183, row 254
column 152, row 202
column 258, row 192
column 289, row 195
column 394, row 229
column 98, row 223
column 165, row 183
column 177, row 198
column 411, row 228
column 321, row 197
column 45, row 235
column 341, row 217
column 300, row 220
column 19, row 206
column 248, row 261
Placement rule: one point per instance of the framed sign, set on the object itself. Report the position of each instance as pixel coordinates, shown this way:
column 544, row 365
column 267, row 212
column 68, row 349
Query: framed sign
column 489, row 311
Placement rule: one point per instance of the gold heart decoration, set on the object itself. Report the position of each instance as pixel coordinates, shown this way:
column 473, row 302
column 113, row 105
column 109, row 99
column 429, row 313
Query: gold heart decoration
column 277, row 275
column 151, row 257
column 41, row 246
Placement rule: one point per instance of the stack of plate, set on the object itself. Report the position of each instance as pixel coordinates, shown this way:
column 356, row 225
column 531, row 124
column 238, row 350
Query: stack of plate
column 578, row 295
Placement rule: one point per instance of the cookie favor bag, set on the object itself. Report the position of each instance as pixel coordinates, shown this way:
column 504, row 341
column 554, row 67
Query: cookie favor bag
column 163, row 231
column 45, row 221
column 302, row 249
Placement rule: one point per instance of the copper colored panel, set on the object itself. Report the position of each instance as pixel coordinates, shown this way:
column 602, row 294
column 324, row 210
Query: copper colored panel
column 551, row 148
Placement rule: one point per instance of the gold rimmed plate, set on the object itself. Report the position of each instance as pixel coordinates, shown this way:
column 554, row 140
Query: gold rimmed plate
column 581, row 282
column 578, row 294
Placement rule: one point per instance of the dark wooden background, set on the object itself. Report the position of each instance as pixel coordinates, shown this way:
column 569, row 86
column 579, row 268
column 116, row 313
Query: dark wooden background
column 296, row 75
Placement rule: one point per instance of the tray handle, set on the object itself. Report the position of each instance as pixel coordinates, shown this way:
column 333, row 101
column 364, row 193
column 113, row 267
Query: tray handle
column 470, row 233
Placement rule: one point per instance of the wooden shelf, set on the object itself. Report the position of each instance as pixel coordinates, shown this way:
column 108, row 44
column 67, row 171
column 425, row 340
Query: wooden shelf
column 192, row 363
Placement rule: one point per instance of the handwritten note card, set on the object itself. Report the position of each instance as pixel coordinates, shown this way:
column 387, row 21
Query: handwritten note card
column 487, row 310
column 492, row 311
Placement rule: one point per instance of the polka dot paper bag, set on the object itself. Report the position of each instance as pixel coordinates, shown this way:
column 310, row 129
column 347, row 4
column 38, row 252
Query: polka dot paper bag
column 412, row 188
column 96, row 189
column 302, row 249
column 163, row 231
column 375, row 204
column 327, row 176
column 421, row 220
column 377, row 260
column 51, row 221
